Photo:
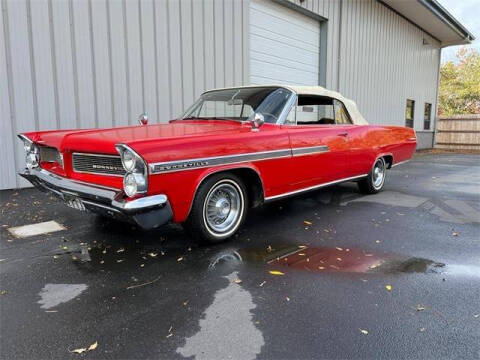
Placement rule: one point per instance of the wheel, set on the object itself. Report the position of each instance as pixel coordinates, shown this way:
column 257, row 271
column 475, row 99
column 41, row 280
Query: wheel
column 375, row 180
column 218, row 209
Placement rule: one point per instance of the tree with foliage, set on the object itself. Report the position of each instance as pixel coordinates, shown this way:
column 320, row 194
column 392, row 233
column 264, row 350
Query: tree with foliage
column 459, row 91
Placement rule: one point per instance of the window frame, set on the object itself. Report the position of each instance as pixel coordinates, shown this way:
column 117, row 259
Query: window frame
column 412, row 119
column 295, row 108
column 429, row 120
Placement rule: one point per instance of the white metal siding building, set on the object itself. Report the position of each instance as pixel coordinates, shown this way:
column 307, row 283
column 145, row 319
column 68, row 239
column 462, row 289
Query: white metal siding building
column 93, row 63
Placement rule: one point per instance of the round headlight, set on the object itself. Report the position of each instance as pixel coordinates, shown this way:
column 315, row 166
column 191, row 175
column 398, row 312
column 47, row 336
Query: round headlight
column 27, row 146
column 31, row 160
column 130, row 185
column 134, row 183
column 128, row 160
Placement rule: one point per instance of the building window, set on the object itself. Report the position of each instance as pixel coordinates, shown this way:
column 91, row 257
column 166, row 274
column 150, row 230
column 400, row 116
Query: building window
column 409, row 113
column 427, row 116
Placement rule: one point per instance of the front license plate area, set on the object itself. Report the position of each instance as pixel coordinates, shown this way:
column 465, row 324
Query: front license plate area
column 75, row 203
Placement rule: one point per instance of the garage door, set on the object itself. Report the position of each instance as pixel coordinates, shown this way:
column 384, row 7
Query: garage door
column 284, row 45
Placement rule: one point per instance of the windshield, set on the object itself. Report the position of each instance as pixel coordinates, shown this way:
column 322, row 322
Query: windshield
column 240, row 104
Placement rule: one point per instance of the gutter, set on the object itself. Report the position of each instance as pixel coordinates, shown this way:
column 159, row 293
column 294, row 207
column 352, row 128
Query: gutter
column 443, row 15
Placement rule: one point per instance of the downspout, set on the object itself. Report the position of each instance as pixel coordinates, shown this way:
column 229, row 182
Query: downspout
column 436, row 97
column 339, row 56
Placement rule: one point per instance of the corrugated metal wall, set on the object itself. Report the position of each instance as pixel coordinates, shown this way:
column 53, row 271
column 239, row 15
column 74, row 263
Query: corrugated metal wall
column 78, row 63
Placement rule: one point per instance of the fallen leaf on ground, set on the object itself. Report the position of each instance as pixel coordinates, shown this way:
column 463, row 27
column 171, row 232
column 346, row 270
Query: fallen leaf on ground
column 237, row 281
column 388, row 287
column 152, row 254
column 420, row 308
column 363, row 331
column 262, row 283
column 120, row 250
column 307, row 222
column 104, row 251
column 180, row 258
column 93, row 346
column 79, row 351
column 275, row 272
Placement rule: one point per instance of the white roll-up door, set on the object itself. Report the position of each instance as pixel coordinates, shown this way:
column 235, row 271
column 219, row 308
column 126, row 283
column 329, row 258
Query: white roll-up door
column 284, row 45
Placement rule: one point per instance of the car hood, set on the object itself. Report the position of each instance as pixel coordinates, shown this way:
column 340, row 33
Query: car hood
column 104, row 140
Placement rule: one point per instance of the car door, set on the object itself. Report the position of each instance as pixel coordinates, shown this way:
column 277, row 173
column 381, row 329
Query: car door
column 319, row 145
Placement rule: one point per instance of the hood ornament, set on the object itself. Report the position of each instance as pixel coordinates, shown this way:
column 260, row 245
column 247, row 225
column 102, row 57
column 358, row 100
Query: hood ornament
column 143, row 119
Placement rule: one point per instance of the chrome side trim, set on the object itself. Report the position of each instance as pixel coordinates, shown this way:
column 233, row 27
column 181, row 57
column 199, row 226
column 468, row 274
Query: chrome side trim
column 274, row 197
column 181, row 165
column 190, row 164
column 310, row 150
column 400, row 163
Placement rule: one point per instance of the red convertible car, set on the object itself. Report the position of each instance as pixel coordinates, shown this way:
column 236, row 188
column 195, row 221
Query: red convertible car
column 233, row 149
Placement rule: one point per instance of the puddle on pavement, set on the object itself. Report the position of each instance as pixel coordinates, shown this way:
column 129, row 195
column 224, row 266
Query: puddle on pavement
column 55, row 294
column 325, row 259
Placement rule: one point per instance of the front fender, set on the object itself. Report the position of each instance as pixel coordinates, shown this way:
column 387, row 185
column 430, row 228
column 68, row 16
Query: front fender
column 181, row 186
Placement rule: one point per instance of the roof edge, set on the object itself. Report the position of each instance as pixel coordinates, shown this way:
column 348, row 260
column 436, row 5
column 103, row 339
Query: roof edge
column 440, row 12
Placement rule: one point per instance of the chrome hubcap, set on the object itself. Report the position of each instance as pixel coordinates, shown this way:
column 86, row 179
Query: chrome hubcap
column 378, row 173
column 223, row 206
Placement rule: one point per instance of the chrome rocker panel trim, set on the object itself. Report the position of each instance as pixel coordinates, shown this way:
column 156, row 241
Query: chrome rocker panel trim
column 148, row 212
column 314, row 187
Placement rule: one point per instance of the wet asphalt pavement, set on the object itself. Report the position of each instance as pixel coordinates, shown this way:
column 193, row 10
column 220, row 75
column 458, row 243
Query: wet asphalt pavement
column 392, row 275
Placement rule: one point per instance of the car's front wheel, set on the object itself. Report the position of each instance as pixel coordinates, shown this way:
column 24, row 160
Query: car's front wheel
column 218, row 210
column 375, row 180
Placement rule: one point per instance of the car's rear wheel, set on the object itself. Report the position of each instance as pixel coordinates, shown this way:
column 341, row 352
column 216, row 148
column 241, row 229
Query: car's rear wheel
column 375, row 180
column 218, row 210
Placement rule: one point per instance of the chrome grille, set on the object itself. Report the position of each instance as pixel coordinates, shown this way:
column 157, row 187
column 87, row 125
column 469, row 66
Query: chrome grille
column 50, row 154
column 98, row 164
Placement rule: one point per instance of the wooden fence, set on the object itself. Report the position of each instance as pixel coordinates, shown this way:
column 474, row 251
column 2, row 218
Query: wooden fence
column 458, row 132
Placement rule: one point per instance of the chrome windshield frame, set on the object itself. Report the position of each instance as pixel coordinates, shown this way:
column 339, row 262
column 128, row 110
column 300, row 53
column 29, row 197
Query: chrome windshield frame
column 283, row 115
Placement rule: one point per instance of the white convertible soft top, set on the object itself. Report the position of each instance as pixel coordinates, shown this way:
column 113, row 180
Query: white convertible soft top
column 352, row 109
column 351, row 106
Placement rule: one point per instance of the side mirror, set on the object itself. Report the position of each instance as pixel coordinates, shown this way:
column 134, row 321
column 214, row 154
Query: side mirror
column 143, row 119
column 257, row 121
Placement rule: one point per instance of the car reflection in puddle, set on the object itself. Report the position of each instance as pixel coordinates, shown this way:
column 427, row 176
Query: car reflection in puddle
column 325, row 259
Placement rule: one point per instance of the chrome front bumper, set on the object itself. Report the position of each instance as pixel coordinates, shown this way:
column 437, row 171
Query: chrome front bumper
column 148, row 212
